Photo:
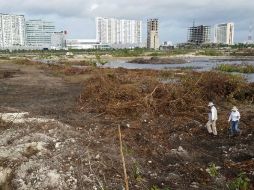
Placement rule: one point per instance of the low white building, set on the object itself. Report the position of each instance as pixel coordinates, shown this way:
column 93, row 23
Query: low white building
column 58, row 40
column 85, row 44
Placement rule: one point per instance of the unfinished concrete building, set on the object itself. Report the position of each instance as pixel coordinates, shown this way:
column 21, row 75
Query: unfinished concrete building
column 153, row 34
column 199, row 34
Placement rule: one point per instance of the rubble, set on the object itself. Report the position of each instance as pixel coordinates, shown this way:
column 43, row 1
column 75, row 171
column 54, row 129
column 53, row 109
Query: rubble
column 4, row 177
column 34, row 158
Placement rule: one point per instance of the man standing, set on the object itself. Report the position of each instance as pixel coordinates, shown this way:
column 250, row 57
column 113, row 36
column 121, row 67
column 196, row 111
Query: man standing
column 234, row 120
column 212, row 118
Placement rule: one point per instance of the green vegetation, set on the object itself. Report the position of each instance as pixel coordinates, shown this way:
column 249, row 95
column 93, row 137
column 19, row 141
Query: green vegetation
column 92, row 63
column 126, row 149
column 212, row 170
column 99, row 60
column 137, row 172
column 243, row 52
column 210, row 52
column 242, row 182
column 85, row 62
column 127, row 52
column 243, row 68
column 171, row 52
column 242, row 46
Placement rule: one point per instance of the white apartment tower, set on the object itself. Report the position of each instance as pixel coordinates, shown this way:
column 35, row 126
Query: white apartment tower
column 38, row 33
column 12, row 31
column 118, row 32
column 153, row 34
column 224, row 33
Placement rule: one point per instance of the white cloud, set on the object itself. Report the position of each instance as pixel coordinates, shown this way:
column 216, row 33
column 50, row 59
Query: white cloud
column 93, row 7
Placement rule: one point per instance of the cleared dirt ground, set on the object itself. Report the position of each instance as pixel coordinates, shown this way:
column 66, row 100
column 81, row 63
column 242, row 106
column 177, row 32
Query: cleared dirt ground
column 56, row 145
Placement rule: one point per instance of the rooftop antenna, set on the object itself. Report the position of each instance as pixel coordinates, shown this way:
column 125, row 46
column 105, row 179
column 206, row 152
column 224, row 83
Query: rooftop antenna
column 193, row 22
column 250, row 33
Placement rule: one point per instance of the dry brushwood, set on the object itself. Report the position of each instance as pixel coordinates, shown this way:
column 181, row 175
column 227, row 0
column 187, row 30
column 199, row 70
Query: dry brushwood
column 130, row 94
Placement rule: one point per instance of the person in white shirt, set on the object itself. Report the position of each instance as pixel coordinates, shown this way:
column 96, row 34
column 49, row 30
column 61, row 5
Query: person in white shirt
column 234, row 121
column 212, row 118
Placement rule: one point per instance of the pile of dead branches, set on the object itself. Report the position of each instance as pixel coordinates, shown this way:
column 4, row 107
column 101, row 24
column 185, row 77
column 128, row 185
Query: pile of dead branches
column 68, row 70
column 125, row 94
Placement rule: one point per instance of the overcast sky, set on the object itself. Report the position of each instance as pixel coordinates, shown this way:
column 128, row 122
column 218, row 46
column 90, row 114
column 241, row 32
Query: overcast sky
column 78, row 16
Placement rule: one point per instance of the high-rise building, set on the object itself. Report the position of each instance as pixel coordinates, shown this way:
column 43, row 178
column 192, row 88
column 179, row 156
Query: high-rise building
column 153, row 34
column 199, row 34
column 224, row 33
column 250, row 40
column 12, row 31
column 119, row 33
column 38, row 33
column 58, row 40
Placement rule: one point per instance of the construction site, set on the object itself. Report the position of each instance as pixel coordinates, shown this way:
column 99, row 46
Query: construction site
column 93, row 128
column 199, row 34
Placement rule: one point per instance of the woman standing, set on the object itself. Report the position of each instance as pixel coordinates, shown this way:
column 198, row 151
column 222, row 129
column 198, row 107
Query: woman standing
column 234, row 121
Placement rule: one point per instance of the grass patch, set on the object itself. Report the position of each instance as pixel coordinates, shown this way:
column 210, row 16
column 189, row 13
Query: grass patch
column 158, row 60
column 243, row 52
column 127, row 52
column 25, row 62
column 4, row 58
column 241, row 182
column 100, row 60
column 243, row 68
column 210, row 52
column 171, row 52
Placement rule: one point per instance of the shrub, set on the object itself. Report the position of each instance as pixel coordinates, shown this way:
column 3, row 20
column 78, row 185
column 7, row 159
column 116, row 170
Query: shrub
column 210, row 52
column 212, row 170
column 242, row 182
column 217, row 86
column 244, row 68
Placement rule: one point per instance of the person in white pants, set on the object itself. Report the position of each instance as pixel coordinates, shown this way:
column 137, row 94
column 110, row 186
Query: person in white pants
column 212, row 118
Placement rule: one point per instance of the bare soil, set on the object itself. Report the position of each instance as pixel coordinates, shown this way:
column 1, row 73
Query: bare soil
column 79, row 148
